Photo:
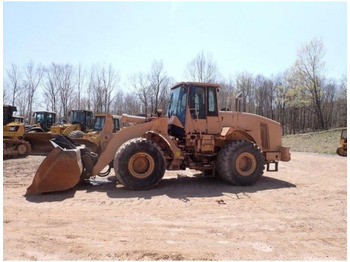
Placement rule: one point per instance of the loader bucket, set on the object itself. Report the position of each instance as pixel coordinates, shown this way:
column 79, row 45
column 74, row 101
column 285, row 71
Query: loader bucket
column 59, row 171
column 88, row 143
column 40, row 142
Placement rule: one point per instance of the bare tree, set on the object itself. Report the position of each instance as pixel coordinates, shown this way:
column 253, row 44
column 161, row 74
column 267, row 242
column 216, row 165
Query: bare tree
column 102, row 88
column 14, row 83
column 109, row 79
column 341, row 111
column 118, row 105
column 5, row 93
column 80, row 84
column 141, row 86
column 310, row 66
column 202, row 69
column 245, row 85
column 96, row 89
column 125, row 103
column 89, row 103
column 227, row 93
column 159, row 83
column 50, row 87
column 64, row 75
column 33, row 79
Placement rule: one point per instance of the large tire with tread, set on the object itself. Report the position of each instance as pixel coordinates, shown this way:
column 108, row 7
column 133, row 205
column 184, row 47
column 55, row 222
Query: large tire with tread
column 24, row 149
column 342, row 151
column 76, row 134
column 139, row 164
column 240, row 162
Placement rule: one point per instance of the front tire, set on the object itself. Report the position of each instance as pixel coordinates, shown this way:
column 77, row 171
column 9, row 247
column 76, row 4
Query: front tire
column 240, row 162
column 139, row 164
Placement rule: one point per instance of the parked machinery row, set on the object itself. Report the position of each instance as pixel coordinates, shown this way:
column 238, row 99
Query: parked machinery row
column 21, row 140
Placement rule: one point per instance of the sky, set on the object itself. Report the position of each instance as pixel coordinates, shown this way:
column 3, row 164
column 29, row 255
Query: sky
column 257, row 37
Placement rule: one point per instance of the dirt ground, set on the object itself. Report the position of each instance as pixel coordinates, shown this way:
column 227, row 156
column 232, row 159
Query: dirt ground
column 298, row 213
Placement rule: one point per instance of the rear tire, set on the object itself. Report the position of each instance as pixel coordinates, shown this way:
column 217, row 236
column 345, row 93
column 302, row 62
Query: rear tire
column 76, row 134
column 241, row 163
column 139, row 164
column 342, row 151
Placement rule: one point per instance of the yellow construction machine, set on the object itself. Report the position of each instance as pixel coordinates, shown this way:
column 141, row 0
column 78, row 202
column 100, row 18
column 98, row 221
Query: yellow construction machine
column 342, row 150
column 46, row 129
column 194, row 134
column 92, row 138
column 81, row 122
column 13, row 131
column 43, row 121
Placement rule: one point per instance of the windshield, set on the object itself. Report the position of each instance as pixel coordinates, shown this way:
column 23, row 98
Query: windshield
column 39, row 117
column 177, row 104
column 18, row 119
column 99, row 122
column 51, row 119
column 78, row 117
column 116, row 124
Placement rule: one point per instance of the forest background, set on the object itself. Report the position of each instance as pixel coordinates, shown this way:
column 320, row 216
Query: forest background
column 302, row 98
column 48, row 57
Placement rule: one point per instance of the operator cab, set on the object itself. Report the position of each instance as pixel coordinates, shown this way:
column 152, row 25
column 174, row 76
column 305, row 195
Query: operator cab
column 8, row 114
column 82, row 117
column 193, row 108
column 100, row 122
column 45, row 118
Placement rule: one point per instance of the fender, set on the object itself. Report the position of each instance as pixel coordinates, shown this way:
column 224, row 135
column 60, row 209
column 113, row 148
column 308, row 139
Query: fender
column 162, row 142
column 231, row 133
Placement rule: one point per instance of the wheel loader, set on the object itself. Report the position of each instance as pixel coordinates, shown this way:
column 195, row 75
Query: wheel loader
column 342, row 150
column 233, row 145
column 43, row 120
column 13, row 131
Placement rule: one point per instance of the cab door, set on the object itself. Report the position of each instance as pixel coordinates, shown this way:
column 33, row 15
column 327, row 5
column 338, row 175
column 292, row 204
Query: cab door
column 213, row 122
column 196, row 113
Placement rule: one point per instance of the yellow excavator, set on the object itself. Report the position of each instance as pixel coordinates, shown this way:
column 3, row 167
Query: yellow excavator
column 233, row 145
column 13, row 131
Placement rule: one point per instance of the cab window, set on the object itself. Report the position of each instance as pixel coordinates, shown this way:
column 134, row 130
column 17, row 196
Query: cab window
column 212, row 102
column 197, row 102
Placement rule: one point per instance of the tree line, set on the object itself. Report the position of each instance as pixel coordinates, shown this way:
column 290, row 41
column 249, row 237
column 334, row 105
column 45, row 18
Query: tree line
column 302, row 98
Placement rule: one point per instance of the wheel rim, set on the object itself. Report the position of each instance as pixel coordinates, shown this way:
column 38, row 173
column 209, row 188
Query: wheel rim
column 141, row 165
column 22, row 149
column 245, row 164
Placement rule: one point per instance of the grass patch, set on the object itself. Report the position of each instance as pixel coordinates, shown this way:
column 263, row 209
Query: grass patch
column 323, row 142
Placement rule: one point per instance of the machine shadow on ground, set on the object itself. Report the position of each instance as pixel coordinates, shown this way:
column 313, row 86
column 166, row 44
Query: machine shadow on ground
column 182, row 188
